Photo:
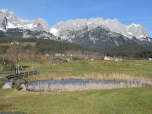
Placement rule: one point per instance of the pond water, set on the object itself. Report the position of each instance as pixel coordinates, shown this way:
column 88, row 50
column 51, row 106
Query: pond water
column 75, row 84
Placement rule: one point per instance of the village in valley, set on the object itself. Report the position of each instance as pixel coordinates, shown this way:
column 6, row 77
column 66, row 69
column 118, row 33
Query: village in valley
column 62, row 58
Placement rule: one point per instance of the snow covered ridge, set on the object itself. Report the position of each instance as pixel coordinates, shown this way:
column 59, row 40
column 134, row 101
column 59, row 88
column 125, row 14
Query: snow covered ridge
column 133, row 30
column 9, row 20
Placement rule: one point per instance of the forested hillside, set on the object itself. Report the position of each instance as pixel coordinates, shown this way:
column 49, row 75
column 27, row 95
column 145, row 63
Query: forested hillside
column 126, row 48
column 44, row 45
column 129, row 50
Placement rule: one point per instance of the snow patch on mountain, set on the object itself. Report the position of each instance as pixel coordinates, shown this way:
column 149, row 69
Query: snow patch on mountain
column 54, row 31
column 10, row 25
column 1, row 29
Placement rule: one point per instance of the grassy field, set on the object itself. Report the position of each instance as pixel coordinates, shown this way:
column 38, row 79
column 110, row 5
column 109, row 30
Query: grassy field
column 81, row 68
column 102, row 65
column 115, row 101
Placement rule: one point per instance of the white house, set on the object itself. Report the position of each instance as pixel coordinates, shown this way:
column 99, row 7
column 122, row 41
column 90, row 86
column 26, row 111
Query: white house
column 112, row 58
column 149, row 59
column 69, row 54
column 47, row 54
column 14, row 42
column 57, row 54
column 108, row 58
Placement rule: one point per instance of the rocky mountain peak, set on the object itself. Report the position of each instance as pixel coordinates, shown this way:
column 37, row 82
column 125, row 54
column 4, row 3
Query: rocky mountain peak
column 37, row 28
column 133, row 30
column 14, row 22
column 43, row 23
column 4, row 11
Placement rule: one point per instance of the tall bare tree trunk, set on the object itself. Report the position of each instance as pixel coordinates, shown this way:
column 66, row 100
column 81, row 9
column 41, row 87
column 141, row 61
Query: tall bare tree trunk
column 18, row 68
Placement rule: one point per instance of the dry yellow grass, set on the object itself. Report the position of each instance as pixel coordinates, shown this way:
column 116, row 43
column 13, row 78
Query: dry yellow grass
column 114, row 76
column 93, row 75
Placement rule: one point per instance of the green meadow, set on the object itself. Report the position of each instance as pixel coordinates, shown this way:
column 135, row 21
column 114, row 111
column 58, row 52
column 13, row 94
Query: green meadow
column 116, row 101
column 101, row 65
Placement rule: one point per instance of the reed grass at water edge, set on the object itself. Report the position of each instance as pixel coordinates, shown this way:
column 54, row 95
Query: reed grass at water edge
column 128, row 82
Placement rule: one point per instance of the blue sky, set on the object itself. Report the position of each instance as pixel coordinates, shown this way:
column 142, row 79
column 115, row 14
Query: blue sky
column 54, row 11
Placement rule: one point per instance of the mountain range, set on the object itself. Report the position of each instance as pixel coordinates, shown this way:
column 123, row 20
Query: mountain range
column 12, row 26
column 93, row 33
column 99, row 34
column 133, row 30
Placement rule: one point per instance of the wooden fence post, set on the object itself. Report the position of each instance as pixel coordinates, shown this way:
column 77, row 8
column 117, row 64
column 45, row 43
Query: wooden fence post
column 24, row 74
column 12, row 77
column 11, row 83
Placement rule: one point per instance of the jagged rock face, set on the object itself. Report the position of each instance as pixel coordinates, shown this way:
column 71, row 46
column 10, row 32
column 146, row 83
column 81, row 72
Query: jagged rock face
column 131, row 31
column 9, row 20
column 20, row 33
column 36, row 34
column 102, row 37
column 44, row 24
column 3, row 21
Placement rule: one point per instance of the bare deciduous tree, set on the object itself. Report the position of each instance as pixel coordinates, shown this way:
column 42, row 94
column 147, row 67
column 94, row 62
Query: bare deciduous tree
column 32, row 55
column 40, row 59
column 13, row 55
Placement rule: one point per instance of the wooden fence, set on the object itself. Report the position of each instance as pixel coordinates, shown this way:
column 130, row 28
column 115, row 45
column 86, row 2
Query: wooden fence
column 13, row 77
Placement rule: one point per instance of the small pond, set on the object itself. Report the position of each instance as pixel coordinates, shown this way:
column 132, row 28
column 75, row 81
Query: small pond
column 75, row 85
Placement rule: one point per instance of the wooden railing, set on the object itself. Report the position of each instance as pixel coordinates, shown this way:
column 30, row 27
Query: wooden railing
column 13, row 77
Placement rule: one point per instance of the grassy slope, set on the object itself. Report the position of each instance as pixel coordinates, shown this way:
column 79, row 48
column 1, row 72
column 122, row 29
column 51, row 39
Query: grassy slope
column 129, row 100
column 116, row 101
column 105, row 67
column 145, row 66
column 93, row 69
